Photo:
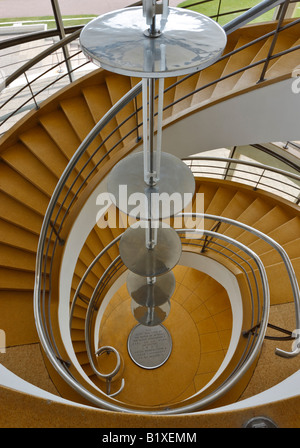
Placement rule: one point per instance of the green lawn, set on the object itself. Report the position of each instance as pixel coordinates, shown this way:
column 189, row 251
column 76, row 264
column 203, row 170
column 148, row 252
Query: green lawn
column 49, row 20
column 210, row 8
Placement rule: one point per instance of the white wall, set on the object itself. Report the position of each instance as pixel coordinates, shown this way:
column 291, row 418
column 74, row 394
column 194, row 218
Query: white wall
column 264, row 115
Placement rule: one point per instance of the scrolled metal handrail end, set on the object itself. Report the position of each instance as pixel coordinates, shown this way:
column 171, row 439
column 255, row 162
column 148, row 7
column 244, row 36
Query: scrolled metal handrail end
column 295, row 347
column 285, row 354
column 120, row 390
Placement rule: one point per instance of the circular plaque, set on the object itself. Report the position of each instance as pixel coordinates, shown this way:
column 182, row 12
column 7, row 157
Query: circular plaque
column 149, row 347
column 188, row 43
column 129, row 192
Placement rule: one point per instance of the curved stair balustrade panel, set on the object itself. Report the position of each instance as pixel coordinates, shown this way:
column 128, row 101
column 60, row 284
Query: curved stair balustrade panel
column 92, row 309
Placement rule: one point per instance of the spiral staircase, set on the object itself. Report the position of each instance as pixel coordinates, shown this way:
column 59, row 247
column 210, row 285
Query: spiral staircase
column 210, row 334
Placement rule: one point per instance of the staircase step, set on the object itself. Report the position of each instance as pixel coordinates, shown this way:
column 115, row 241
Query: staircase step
column 239, row 203
column 21, row 160
column 13, row 258
column 169, row 95
column 272, row 257
column 252, row 75
column 285, row 40
column 235, row 62
column 284, row 64
column 283, row 234
column 80, row 117
column 38, row 141
column 207, row 76
column 118, row 86
column 250, row 216
column 17, row 237
column 11, row 279
column 61, row 131
column 219, row 202
column 187, row 86
column 97, row 246
column 78, row 324
column 212, row 73
column 17, row 317
column 280, row 289
column 274, row 218
column 17, row 213
column 22, row 190
column 99, row 103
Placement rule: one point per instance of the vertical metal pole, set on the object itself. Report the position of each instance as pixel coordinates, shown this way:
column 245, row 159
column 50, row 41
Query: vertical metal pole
column 229, row 163
column 62, row 34
column 218, row 13
column 151, row 130
column 32, row 94
column 280, row 20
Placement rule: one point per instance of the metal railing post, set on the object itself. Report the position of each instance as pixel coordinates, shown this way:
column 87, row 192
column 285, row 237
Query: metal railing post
column 31, row 91
column 273, row 43
column 62, row 35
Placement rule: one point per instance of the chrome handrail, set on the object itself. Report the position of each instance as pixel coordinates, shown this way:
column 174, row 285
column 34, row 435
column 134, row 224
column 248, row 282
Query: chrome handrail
column 51, row 207
column 47, row 222
column 229, row 27
column 246, row 162
column 53, row 202
column 229, row 382
column 251, row 14
column 87, row 332
column 285, row 258
column 93, row 302
column 229, row 161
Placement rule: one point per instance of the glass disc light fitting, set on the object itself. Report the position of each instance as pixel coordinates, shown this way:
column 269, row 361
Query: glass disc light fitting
column 152, row 42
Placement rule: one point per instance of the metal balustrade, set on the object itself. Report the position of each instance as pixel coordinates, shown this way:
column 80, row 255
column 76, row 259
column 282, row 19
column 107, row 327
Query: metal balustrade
column 60, row 206
column 258, row 175
column 258, row 319
column 55, row 220
column 34, row 98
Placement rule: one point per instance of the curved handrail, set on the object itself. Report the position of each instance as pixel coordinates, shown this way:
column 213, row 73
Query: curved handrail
column 32, row 62
column 125, row 100
column 232, row 380
column 95, row 296
column 229, row 27
column 109, row 376
column 251, row 14
column 88, row 270
column 59, row 187
column 248, row 163
column 261, row 177
column 286, row 261
column 47, row 222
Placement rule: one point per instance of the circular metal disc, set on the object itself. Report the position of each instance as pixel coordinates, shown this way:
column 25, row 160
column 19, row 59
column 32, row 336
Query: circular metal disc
column 188, row 43
column 150, row 262
column 149, row 347
column 154, row 294
column 150, row 317
column 173, row 192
